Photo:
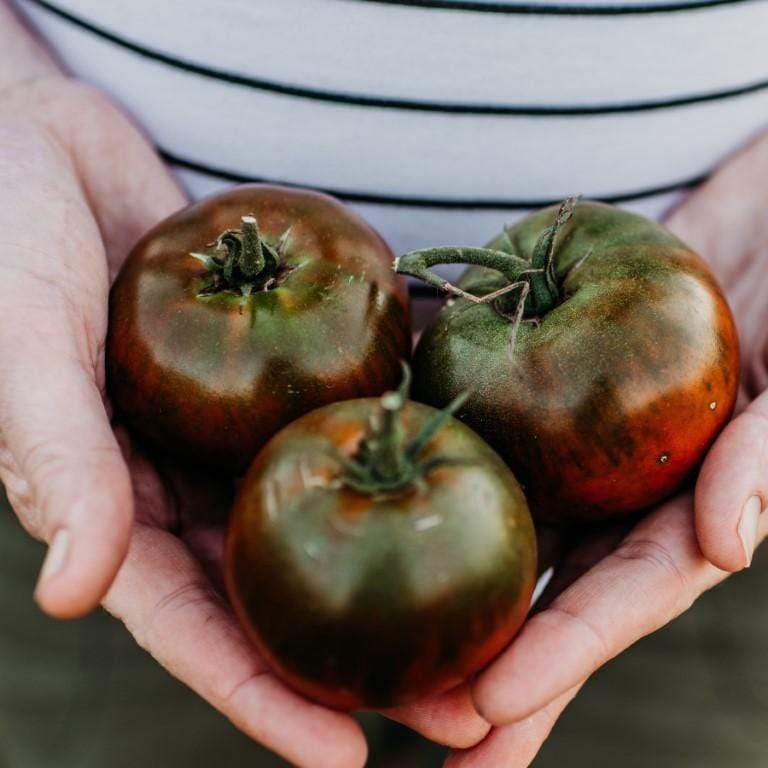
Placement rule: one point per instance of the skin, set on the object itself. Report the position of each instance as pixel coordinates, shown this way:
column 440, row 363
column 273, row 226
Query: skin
column 609, row 401
column 79, row 184
column 214, row 377
column 365, row 600
column 624, row 581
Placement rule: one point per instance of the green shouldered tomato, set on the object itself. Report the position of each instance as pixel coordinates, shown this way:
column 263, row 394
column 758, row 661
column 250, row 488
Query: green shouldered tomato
column 379, row 552
column 600, row 352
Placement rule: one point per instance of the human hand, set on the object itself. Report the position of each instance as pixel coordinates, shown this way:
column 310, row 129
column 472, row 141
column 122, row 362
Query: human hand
column 621, row 583
column 169, row 594
column 79, row 186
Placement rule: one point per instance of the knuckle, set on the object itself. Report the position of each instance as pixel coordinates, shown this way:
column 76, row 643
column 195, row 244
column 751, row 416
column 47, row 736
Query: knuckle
column 191, row 593
column 146, row 629
column 197, row 596
column 561, row 611
column 228, row 693
column 654, row 554
column 42, row 460
column 48, row 472
column 194, row 593
column 39, row 467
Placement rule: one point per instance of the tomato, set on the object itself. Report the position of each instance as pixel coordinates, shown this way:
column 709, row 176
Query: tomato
column 237, row 314
column 379, row 552
column 602, row 370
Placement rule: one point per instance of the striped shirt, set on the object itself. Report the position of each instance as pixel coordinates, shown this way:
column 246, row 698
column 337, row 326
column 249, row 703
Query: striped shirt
column 438, row 120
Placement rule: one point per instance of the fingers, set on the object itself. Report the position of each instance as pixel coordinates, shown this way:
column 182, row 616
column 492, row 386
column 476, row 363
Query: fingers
column 732, row 489
column 652, row 577
column 449, row 718
column 515, row 745
column 724, row 217
column 58, row 457
column 66, row 479
column 596, row 542
column 725, row 220
column 169, row 606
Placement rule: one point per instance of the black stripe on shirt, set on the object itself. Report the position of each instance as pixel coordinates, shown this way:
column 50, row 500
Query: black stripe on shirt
column 557, row 9
column 373, row 198
column 379, row 102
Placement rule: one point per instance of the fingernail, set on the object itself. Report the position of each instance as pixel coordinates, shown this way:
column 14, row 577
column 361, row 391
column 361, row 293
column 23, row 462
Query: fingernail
column 56, row 557
column 750, row 519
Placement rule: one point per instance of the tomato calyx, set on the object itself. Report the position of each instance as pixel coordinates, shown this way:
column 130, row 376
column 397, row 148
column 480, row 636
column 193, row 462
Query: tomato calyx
column 242, row 262
column 385, row 462
column 533, row 288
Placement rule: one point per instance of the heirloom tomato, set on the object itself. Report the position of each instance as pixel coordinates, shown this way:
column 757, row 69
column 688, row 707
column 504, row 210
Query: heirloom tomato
column 379, row 551
column 601, row 355
column 241, row 312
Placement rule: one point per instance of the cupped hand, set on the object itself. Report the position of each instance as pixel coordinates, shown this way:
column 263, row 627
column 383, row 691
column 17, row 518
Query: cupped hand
column 78, row 186
column 623, row 582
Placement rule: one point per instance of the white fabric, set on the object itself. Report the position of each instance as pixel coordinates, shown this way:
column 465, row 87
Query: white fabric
column 355, row 48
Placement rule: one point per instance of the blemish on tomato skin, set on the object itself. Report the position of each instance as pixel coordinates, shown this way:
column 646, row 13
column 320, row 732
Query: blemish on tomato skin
column 713, row 405
column 663, row 458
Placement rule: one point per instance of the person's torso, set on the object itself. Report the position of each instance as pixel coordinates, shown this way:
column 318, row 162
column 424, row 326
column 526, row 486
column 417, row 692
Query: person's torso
column 438, row 120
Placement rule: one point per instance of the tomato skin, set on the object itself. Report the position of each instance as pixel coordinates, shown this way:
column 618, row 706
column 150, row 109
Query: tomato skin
column 212, row 380
column 608, row 404
column 359, row 601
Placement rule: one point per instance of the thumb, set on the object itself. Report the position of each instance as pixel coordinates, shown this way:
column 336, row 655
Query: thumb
column 732, row 490
column 59, row 460
column 65, row 477
column 70, row 155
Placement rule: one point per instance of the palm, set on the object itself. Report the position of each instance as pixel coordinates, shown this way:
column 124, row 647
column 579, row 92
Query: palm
column 170, row 595
column 619, row 582
column 181, row 617
column 608, row 573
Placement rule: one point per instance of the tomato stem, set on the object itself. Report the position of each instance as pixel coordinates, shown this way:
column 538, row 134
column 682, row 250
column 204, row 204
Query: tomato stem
column 242, row 261
column 385, row 462
column 544, row 291
column 252, row 254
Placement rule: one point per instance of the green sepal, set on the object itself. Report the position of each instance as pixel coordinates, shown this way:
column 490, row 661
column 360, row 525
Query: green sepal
column 242, row 261
column 384, row 462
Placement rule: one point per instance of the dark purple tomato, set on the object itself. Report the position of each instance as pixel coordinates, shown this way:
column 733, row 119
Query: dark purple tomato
column 238, row 314
column 375, row 559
